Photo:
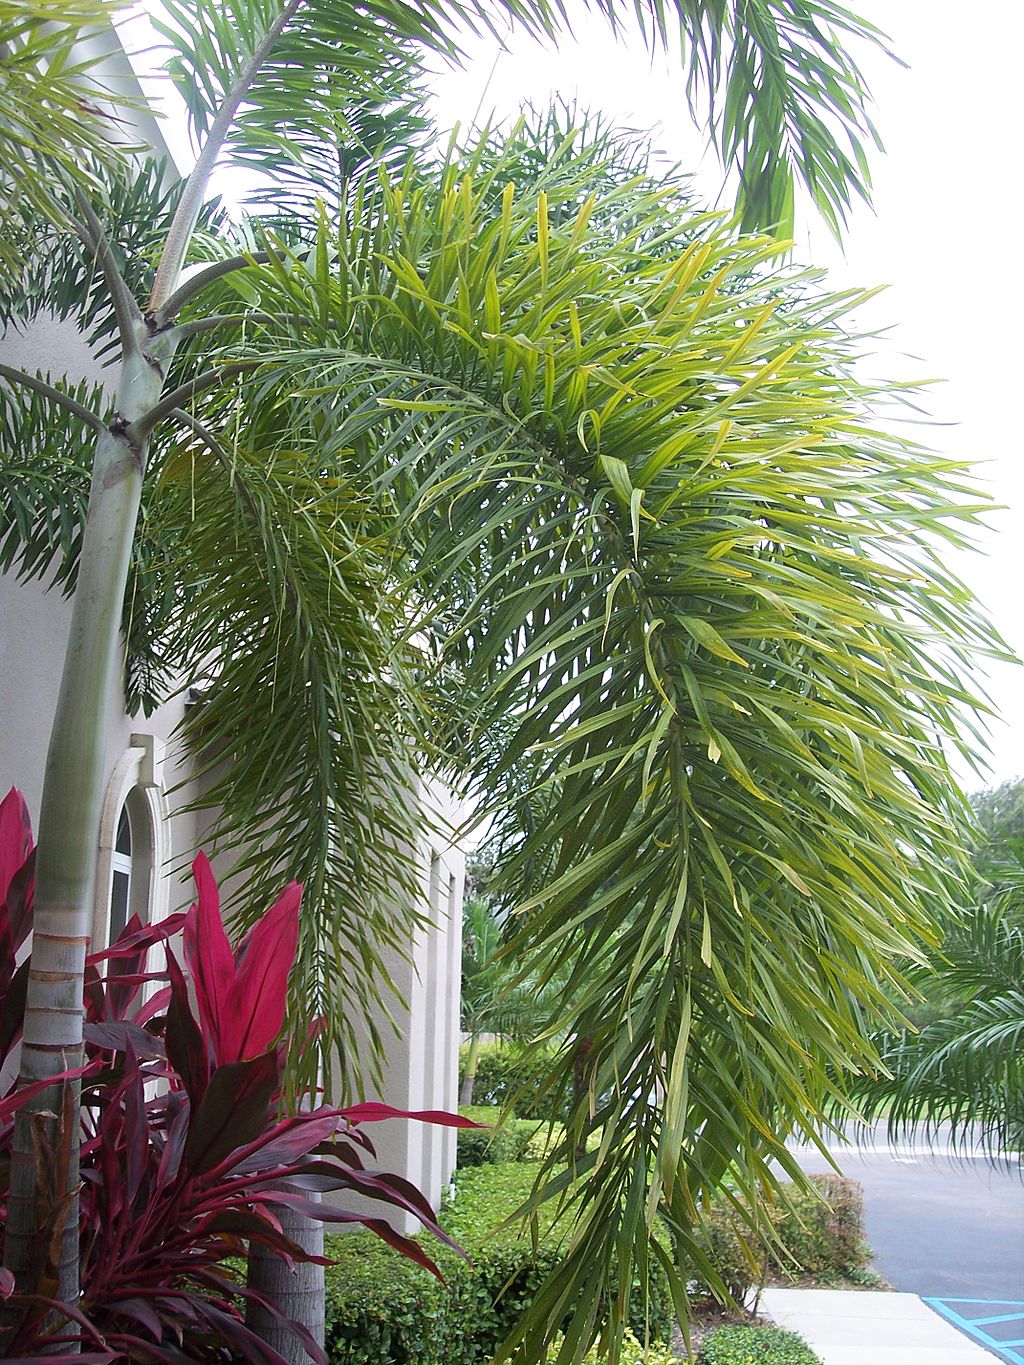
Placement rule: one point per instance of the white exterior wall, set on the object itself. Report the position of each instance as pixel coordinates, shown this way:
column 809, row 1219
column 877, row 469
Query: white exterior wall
column 421, row 1063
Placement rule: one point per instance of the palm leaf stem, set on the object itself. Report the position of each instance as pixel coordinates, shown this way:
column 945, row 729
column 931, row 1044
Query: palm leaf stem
column 217, row 320
column 179, row 234
column 202, row 279
column 126, row 310
column 171, row 402
column 63, row 400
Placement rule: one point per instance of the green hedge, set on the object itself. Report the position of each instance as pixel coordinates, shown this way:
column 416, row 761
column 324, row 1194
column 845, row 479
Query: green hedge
column 507, row 1140
column 505, row 1073
column 818, row 1232
column 755, row 1346
column 383, row 1310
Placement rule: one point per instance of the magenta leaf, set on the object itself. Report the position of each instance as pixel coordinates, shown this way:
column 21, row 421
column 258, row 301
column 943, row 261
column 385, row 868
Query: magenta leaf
column 258, row 995
column 233, row 1111
column 12, row 1009
column 313, row 1348
column 288, row 1141
column 15, row 838
column 117, row 1035
column 137, row 935
column 373, row 1111
column 247, row 1225
column 186, row 1050
column 143, row 1313
column 208, row 955
column 325, row 1213
column 83, row 1358
column 10, row 1104
column 17, row 877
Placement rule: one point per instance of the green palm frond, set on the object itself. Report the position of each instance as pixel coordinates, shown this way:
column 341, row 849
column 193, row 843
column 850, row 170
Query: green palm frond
column 785, row 103
column 60, row 276
column 306, row 718
column 962, row 1073
column 45, row 462
column 492, row 1000
column 775, row 83
column 57, row 127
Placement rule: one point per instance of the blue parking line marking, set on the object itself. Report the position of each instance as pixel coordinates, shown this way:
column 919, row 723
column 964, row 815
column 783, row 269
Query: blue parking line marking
column 975, row 1327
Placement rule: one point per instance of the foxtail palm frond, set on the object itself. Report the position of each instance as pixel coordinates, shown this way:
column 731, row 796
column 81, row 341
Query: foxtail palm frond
column 686, row 582
column 57, row 128
column 776, row 84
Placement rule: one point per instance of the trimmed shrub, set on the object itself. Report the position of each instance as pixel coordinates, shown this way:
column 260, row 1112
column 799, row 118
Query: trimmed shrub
column 823, row 1235
column 741, row 1345
column 381, row 1310
column 486, row 1197
column 816, row 1234
column 732, row 1249
column 499, row 1142
column 504, row 1072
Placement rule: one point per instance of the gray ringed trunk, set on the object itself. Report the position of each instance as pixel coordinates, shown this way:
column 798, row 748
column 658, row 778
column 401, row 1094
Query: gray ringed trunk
column 298, row 1292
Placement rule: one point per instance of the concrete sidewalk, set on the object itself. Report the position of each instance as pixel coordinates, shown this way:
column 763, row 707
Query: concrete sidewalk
column 854, row 1327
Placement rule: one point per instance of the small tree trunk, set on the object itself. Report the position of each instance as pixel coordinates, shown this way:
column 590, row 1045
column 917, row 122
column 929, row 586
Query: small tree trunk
column 298, row 1293
column 580, row 1085
column 44, row 1163
column 472, row 1060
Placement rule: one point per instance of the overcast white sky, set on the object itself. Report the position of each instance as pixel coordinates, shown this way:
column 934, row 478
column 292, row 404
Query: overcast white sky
column 944, row 235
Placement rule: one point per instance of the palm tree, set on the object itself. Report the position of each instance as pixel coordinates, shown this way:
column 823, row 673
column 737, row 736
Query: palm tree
column 962, row 1071
column 491, row 1000
column 609, row 461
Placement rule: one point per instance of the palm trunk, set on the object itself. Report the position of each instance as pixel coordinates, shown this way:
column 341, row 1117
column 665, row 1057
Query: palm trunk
column 297, row 1293
column 44, row 1165
column 472, row 1061
column 580, row 1086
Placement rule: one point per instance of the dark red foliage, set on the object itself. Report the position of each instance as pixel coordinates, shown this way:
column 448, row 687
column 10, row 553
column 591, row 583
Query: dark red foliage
column 185, row 1159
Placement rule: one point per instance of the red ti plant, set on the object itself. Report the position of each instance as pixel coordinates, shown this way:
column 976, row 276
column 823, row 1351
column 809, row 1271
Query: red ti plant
column 185, row 1158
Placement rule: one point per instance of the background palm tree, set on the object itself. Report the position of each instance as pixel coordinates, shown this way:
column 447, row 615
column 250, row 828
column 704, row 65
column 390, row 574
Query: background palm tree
column 493, row 1000
column 610, row 462
column 962, row 1071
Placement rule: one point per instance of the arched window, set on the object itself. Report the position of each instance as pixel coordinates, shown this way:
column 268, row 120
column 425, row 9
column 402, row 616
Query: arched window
column 132, row 847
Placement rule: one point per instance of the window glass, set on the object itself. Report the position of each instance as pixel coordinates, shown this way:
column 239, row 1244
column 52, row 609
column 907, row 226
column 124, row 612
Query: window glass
column 119, row 892
column 123, row 842
column 121, row 881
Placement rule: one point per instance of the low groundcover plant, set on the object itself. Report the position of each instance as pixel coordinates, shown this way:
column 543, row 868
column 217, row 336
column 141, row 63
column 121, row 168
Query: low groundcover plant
column 742, row 1345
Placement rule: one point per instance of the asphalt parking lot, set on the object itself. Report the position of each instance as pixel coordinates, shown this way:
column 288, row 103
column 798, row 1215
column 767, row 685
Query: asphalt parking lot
column 938, row 1224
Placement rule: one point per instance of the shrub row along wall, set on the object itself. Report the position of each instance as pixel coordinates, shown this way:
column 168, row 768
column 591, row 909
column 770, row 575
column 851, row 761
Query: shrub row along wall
column 499, row 1142
column 383, row 1310
column 504, row 1073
